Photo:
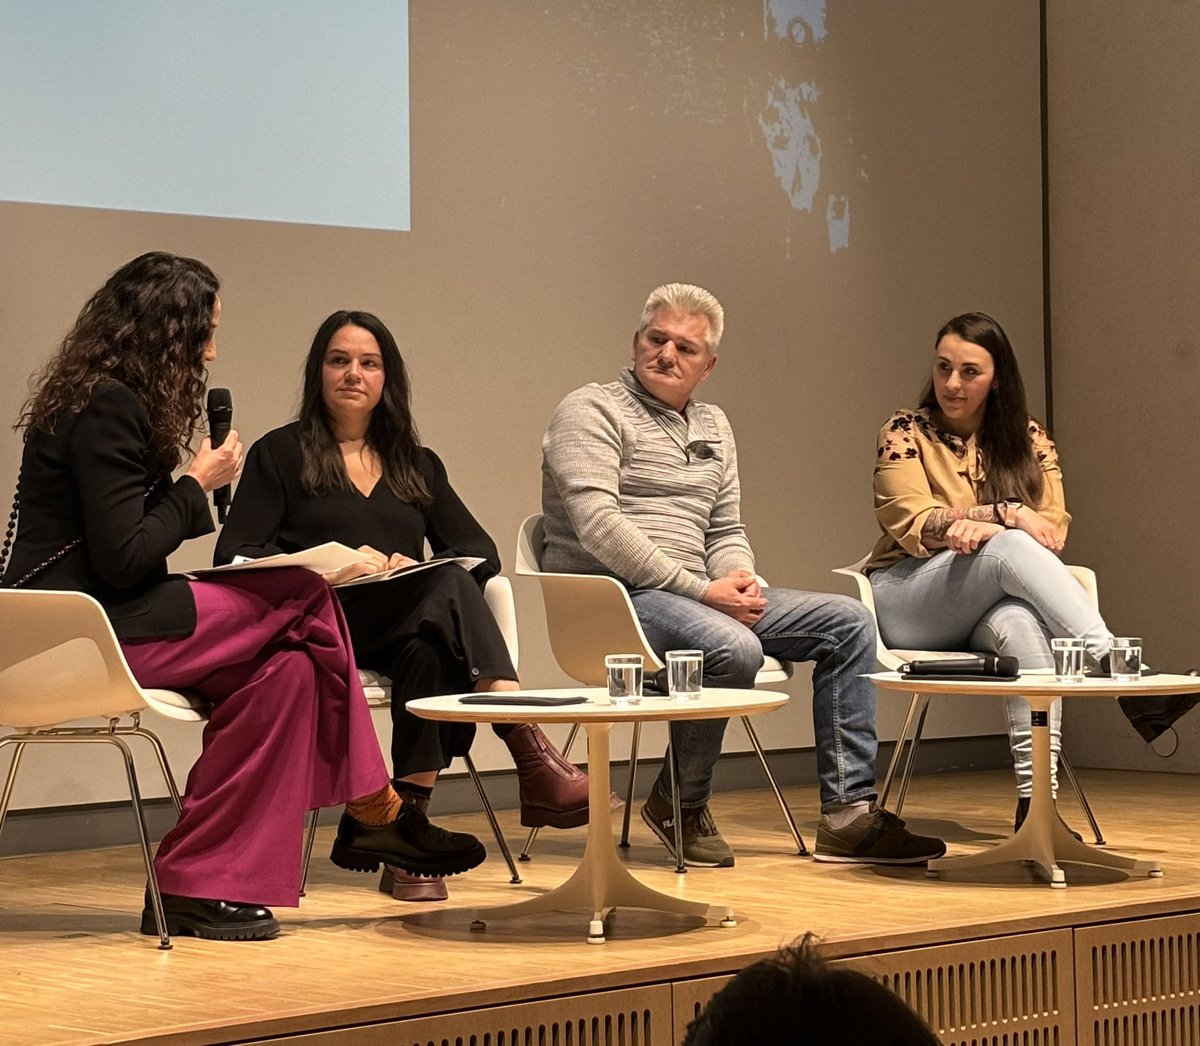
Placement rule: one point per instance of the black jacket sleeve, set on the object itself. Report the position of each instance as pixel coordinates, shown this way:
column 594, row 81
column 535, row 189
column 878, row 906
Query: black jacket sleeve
column 451, row 530
column 126, row 533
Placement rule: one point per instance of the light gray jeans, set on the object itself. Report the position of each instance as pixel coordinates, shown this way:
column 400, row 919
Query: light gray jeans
column 1011, row 597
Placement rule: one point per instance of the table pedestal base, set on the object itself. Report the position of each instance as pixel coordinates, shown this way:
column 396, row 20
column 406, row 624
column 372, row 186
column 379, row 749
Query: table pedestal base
column 1044, row 839
column 602, row 883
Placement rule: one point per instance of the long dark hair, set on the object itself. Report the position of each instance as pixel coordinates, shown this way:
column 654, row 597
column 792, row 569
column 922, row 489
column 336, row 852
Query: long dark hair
column 1012, row 468
column 391, row 433
column 146, row 328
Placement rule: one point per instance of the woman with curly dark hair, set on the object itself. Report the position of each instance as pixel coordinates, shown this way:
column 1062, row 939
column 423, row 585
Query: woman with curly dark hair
column 352, row 469
column 109, row 419
column 969, row 496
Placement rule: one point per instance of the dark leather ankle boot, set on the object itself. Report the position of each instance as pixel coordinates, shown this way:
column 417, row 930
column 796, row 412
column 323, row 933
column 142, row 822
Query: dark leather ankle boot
column 553, row 791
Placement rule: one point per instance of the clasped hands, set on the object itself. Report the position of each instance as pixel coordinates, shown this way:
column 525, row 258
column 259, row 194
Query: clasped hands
column 373, row 562
column 737, row 594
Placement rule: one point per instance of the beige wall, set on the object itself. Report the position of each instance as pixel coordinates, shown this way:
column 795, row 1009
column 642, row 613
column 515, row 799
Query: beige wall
column 1124, row 161
column 566, row 158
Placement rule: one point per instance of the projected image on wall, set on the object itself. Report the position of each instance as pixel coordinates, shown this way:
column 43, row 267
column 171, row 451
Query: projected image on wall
column 277, row 110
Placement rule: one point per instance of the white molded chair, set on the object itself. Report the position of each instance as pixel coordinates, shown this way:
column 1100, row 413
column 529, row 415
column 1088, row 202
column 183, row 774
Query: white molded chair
column 891, row 658
column 60, row 662
column 497, row 592
column 591, row 615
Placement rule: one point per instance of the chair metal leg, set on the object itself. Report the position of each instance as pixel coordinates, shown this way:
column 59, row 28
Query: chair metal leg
column 801, row 849
column 633, row 761
column 491, row 816
column 527, row 851
column 97, row 735
column 898, row 750
column 1065, row 763
column 310, row 835
column 911, row 761
column 676, row 811
column 163, row 764
column 160, row 918
column 18, row 749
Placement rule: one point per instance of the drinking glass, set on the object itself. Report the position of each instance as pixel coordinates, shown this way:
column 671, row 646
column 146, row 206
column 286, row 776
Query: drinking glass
column 1068, row 660
column 1125, row 659
column 624, row 678
column 685, row 672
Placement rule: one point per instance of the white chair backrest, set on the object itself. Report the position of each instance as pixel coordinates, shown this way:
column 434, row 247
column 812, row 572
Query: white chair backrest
column 60, row 660
column 529, row 546
column 587, row 615
column 498, row 594
column 883, row 655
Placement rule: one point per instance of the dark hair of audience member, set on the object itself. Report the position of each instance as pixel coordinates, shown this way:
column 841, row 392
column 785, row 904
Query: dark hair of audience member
column 795, row 997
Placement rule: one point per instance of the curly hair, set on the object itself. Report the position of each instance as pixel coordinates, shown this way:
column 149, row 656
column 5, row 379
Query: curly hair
column 147, row 328
column 392, row 433
column 1012, row 467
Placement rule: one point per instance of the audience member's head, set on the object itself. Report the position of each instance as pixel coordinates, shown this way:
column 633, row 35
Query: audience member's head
column 794, row 997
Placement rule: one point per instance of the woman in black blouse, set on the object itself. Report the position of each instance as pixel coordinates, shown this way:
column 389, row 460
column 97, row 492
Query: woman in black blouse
column 351, row 469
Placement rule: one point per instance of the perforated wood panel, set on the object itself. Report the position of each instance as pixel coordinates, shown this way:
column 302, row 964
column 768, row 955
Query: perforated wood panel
column 1012, row 991
column 631, row 1017
column 1139, row 982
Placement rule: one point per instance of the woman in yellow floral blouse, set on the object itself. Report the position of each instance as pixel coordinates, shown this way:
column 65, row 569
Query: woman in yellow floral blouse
column 969, row 496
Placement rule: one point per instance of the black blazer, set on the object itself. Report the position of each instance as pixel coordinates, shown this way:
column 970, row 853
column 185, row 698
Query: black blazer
column 92, row 478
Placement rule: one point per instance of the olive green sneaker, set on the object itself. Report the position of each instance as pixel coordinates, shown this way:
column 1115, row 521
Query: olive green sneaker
column 703, row 846
column 875, row 837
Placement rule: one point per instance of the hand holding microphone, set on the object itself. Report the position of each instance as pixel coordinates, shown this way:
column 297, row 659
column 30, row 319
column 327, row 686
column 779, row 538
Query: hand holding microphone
column 218, row 462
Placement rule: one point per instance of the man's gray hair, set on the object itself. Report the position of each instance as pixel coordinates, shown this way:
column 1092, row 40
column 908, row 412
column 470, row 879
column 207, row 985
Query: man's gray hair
column 691, row 301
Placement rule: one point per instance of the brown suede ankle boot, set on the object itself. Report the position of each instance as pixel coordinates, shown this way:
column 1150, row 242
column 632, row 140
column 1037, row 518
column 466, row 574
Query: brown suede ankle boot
column 402, row 885
column 554, row 792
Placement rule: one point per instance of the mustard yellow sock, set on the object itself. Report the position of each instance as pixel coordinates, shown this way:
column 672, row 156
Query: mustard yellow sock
column 377, row 809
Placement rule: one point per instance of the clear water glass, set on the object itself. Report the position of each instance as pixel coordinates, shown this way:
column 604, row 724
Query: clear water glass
column 685, row 674
column 624, row 678
column 1125, row 659
column 1068, row 660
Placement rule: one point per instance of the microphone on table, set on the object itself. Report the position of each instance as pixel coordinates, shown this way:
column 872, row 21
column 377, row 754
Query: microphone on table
column 220, row 421
column 982, row 665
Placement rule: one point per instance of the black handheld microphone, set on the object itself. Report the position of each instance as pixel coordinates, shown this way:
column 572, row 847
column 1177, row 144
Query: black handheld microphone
column 983, row 665
column 220, row 420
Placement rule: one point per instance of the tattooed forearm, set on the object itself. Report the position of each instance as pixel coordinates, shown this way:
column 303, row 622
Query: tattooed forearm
column 940, row 519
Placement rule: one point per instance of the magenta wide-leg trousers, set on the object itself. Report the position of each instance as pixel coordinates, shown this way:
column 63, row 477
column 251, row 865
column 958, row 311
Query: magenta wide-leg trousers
column 290, row 730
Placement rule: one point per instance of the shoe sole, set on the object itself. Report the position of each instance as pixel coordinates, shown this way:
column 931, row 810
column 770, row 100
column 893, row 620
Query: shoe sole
column 355, row 860
column 669, row 843
column 182, row 926
column 433, row 890
column 851, row 859
column 541, row 817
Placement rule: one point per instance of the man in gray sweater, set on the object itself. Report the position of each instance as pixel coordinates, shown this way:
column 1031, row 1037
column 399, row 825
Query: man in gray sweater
column 640, row 481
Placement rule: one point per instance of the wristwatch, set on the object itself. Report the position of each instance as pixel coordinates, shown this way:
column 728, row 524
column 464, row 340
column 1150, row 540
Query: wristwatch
column 1011, row 507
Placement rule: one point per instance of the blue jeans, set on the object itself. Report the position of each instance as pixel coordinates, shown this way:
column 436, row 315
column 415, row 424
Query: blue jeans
column 1009, row 597
column 836, row 632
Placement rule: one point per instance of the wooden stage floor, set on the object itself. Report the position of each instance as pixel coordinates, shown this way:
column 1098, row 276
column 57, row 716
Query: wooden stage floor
column 73, row 968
